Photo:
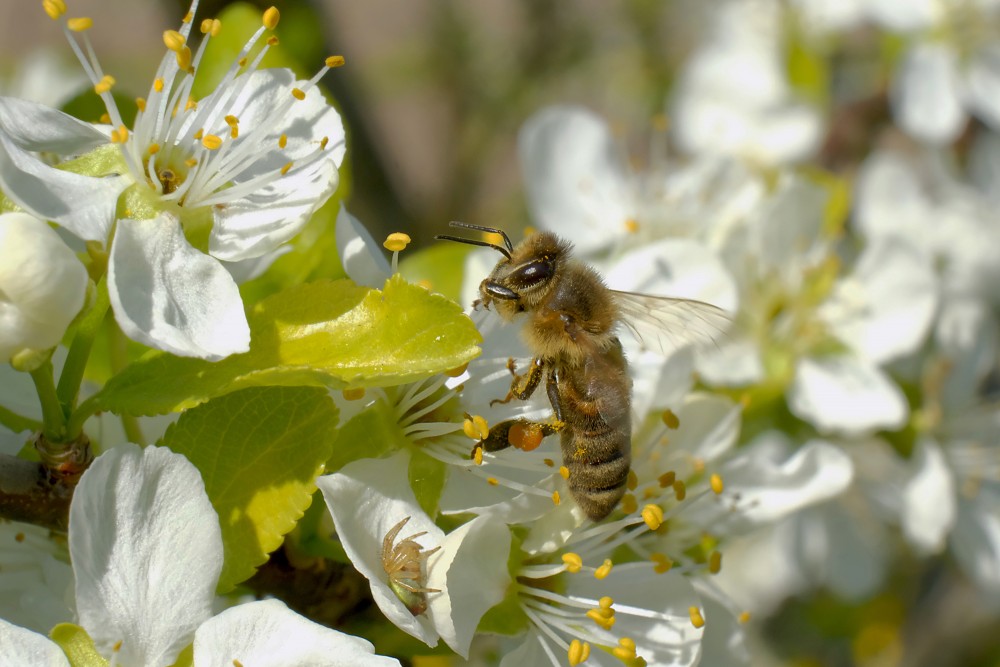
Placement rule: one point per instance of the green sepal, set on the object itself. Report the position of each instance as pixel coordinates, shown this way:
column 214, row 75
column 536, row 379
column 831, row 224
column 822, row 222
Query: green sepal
column 259, row 452
column 77, row 645
column 328, row 333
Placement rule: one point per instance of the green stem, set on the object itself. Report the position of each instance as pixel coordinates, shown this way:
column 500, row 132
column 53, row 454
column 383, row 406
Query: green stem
column 53, row 418
column 79, row 351
column 133, row 430
column 16, row 422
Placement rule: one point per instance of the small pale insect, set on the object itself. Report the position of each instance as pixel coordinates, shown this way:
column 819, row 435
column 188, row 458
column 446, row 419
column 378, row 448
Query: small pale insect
column 404, row 563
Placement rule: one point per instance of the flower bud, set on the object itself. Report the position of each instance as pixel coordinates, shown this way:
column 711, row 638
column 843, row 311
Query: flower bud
column 42, row 285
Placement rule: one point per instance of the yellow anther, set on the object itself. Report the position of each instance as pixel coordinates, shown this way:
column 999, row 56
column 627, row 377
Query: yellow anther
column 697, row 620
column 187, row 18
column 20, row 537
column 334, row 61
column 80, row 24
column 105, row 119
column 353, row 393
column 242, row 62
column 282, row 141
column 184, row 59
column 481, row 426
column 572, row 561
column 105, row 84
column 549, row 462
column 603, row 619
column 633, row 480
column 604, row 570
column 231, row 120
column 625, row 650
column 271, row 18
column 158, row 85
column 649, row 493
column 667, row 479
column 564, row 472
column 605, row 602
column 715, row 562
column 653, row 516
column 211, row 142
column 670, row 419
column 716, row 482
column 191, row 104
column 492, row 481
column 298, row 94
column 744, row 617
column 661, row 563
column 153, row 149
column 173, row 40
column 477, row 456
column 237, row 663
column 629, row 503
column 680, row 491
column 119, row 136
column 211, row 27
column 396, row 241
column 140, row 103
column 323, row 142
column 555, row 498
column 578, row 652
column 457, row 371
column 631, row 225
column 117, row 647
column 191, row 162
column 54, row 8
column 272, row 40
column 286, row 168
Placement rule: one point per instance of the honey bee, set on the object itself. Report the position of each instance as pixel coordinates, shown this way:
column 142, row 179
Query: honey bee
column 403, row 563
column 571, row 318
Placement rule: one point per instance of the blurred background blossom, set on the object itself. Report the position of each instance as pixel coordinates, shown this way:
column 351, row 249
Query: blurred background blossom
column 827, row 172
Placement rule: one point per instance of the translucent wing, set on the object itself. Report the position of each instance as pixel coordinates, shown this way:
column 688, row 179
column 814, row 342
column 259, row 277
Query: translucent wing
column 668, row 324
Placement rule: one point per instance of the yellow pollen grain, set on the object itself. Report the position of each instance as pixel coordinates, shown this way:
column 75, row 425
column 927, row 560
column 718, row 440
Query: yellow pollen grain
column 572, row 561
column 744, row 617
column 396, row 241
column 158, row 85
column 697, row 620
column 680, row 491
column 555, row 498
column 272, row 41
column 492, row 481
column 670, row 419
column 282, row 141
column 457, row 371
column 211, row 142
column 477, row 456
column 549, row 462
column 661, row 563
column 564, row 472
column 578, row 652
column 153, row 149
column 334, row 61
column 140, row 103
column 298, row 94
column 715, row 562
column 80, row 23
column 173, row 40
column 666, row 479
column 184, row 58
column 629, row 503
column 54, row 8
column 653, row 516
column 353, row 393
column 604, row 570
column 105, row 84
column 191, row 162
column 271, row 18
column 633, row 480
column 716, row 483
column 20, row 537
column 286, row 168
column 631, row 225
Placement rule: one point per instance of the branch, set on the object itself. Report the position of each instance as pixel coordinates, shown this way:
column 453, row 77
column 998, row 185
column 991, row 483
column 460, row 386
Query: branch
column 30, row 494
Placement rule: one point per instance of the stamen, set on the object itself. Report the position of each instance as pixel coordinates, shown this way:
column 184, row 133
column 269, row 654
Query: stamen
column 211, row 142
column 298, row 94
column 271, row 18
column 697, row 620
column 396, row 241
column 211, row 27
column 744, row 617
column 555, row 498
column 184, row 59
column 604, row 570
column 80, row 24
column 573, row 562
column 631, row 225
column 334, row 61
column 140, row 103
column 680, row 490
column 578, row 652
column 457, row 372
column 476, row 427
column 286, row 168
column 104, row 85
column 282, row 141
column 661, row 563
column 632, row 481
column 173, row 40
column 158, row 85
column 653, row 516
column 478, row 456
column 716, row 482
column 492, row 481
column 353, row 393
column 564, row 472
column 666, row 479
column 54, row 8
column 629, row 503
column 715, row 562
column 670, row 419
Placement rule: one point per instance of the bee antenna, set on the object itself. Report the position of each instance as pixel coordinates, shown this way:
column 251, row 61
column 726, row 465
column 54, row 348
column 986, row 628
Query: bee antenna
column 479, row 228
column 486, row 244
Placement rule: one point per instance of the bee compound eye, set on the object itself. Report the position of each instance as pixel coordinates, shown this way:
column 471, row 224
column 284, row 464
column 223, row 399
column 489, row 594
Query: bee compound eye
column 532, row 273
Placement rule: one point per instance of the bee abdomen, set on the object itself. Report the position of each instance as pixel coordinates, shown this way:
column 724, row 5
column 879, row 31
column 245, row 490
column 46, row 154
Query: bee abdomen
column 598, row 471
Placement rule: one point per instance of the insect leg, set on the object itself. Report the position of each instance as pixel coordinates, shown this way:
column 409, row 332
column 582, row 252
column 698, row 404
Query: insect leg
column 531, row 381
column 552, row 390
column 520, row 433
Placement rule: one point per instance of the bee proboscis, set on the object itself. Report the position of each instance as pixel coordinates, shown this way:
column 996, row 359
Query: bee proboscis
column 570, row 329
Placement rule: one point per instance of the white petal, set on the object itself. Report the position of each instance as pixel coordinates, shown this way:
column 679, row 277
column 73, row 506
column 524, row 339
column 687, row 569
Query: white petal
column 905, row 15
column 983, row 84
column 976, row 539
column 735, row 362
column 170, row 296
column 268, row 634
column 845, row 394
column 770, row 484
column 576, row 184
column 363, row 259
column 25, row 648
column 367, row 498
column 42, row 284
column 472, row 568
column 36, row 127
column 723, row 644
column 147, row 553
column 892, row 202
column 929, row 500
column 709, row 426
column 926, row 97
column 883, row 310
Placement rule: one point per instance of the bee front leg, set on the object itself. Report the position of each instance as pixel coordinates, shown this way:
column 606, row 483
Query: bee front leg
column 531, row 381
column 520, row 433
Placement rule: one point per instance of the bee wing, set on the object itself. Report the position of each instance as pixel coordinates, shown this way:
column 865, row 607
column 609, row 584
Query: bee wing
column 667, row 323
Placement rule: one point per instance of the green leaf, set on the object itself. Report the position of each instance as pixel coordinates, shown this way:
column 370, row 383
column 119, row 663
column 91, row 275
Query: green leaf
column 427, row 476
column 372, row 433
column 77, row 645
column 259, row 451
column 438, row 266
column 328, row 333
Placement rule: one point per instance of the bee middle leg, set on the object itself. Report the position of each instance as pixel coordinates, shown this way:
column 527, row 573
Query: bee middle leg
column 530, row 380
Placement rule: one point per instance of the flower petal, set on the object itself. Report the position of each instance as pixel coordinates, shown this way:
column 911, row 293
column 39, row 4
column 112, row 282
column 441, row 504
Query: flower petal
column 36, row 127
column 929, row 500
column 926, row 96
column 845, row 394
column 29, row 649
column 169, row 296
column 367, row 498
column 267, row 633
column 723, row 644
column 147, row 553
column 362, row 258
column 983, row 84
column 976, row 538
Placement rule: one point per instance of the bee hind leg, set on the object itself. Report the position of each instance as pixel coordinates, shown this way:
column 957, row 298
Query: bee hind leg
column 520, row 433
